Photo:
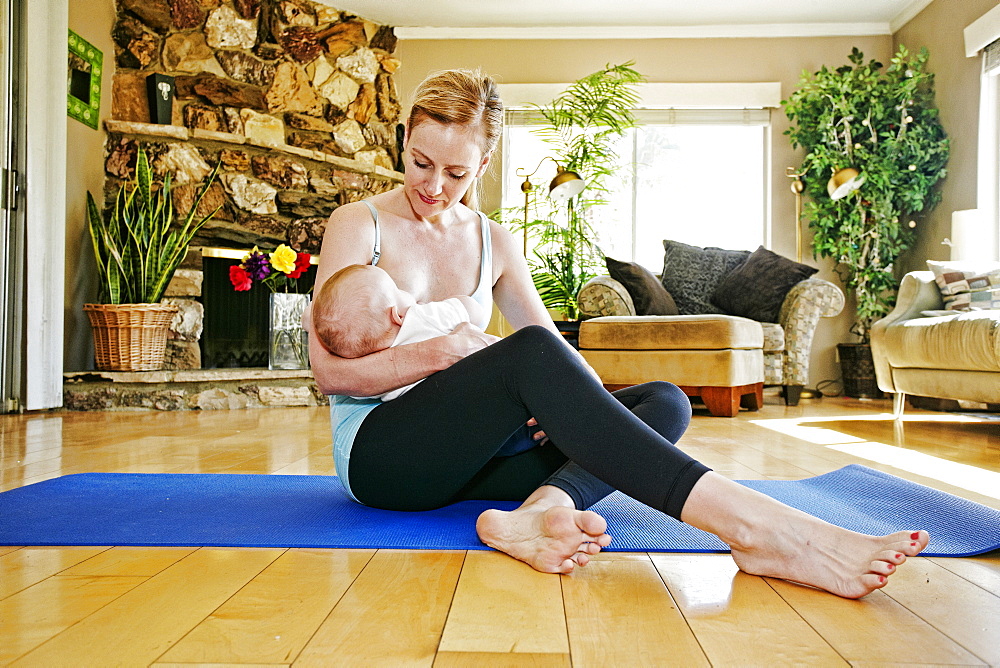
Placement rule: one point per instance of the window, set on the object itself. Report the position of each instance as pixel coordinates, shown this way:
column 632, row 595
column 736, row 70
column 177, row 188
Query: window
column 695, row 176
column 988, row 199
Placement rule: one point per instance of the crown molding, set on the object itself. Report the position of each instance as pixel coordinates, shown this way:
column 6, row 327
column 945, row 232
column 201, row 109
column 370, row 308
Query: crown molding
column 908, row 14
column 649, row 32
column 739, row 95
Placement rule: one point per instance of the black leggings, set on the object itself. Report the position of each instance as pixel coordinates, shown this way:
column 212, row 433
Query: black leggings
column 437, row 443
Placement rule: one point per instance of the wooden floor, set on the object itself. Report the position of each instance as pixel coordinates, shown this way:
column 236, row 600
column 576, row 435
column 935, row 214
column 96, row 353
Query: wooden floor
column 85, row 606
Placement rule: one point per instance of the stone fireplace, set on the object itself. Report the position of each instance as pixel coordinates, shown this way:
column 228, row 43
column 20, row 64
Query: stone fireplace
column 293, row 100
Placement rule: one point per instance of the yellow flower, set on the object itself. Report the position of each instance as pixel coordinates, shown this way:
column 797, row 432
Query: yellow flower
column 283, row 259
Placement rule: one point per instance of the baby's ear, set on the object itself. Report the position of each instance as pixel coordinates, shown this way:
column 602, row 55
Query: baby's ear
column 307, row 320
column 395, row 315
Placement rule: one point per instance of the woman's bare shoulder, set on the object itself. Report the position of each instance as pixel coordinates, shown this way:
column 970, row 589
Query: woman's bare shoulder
column 350, row 215
column 504, row 241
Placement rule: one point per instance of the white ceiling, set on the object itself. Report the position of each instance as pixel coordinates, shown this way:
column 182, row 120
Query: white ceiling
column 579, row 18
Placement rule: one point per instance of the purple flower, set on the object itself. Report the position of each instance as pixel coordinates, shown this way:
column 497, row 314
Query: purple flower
column 257, row 266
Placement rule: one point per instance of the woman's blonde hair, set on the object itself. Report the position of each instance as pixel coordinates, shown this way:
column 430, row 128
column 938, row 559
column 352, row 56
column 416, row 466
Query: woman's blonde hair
column 461, row 97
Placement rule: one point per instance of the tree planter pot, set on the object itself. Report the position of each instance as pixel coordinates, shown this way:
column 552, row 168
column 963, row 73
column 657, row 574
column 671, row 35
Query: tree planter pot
column 130, row 337
column 858, row 371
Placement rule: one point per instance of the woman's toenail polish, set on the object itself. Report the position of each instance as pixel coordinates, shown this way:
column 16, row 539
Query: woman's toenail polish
column 881, row 579
column 915, row 535
column 899, row 556
column 913, row 544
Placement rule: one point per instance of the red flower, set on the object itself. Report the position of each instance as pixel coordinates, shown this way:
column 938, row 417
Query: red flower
column 239, row 278
column 302, row 261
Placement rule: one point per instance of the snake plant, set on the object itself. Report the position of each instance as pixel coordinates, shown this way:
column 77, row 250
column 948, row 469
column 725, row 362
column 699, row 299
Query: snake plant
column 137, row 243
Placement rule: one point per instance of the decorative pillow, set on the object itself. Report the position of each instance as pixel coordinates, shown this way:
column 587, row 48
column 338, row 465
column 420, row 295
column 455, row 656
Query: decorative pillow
column 967, row 286
column 757, row 288
column 648, row 295
column 690, row 274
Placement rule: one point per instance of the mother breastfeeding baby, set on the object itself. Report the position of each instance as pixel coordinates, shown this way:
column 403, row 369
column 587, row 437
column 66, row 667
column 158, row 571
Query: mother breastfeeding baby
column 522, row 418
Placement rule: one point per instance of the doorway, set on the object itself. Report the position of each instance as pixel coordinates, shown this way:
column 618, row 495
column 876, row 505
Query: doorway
column 11, row 211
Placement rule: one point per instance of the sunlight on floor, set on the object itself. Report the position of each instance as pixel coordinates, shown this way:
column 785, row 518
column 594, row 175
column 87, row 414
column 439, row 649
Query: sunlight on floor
column 967, row 477
column 827, row 436
column 971, row 478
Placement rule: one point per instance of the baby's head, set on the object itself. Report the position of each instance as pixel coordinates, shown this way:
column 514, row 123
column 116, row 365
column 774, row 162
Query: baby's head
column 358, row 311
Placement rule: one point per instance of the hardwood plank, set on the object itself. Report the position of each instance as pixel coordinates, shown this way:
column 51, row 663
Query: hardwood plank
column 41, row 611
column 618, row 612
column 500, row 660
column 5, row 549
column 930, row 592
column 273, row 616
column 22, row 568
column 138, row 627
column 393, row 613
column 873, row 629
column 130, row 561
column 983, row 570
column 503, row 605
column 218, row 665
column 737, row 618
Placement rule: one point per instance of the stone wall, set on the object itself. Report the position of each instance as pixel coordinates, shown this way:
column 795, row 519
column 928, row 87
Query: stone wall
column 295, row 99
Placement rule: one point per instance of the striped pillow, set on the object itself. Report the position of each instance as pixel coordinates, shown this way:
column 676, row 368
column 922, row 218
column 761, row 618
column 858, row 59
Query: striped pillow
column 967, row 286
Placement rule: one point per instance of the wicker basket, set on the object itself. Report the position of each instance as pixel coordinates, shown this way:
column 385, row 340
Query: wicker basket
column 130, row 337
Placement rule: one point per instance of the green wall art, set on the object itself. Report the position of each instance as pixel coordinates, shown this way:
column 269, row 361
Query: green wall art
column 83, row 81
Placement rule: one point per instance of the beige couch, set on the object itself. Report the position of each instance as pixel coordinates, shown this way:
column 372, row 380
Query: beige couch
column 786, row 344
column 948, row 357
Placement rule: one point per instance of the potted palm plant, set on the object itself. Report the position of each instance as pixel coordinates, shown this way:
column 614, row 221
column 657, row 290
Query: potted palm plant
column 875, row 148
column 581, row 125
column 138, row 246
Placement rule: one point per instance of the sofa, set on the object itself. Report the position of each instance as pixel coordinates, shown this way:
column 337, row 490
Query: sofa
column 784, row 299
column 936, row 342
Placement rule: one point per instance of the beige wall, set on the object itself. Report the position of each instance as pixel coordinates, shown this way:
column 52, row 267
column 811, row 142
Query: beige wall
column 939, row 27
column 671, row 60
column 92, row 20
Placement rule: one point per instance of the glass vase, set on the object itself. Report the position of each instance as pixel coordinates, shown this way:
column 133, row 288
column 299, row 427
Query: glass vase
column 288, row 343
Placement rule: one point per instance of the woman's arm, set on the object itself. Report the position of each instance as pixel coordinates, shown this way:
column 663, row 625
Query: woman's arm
column 513, row 290
column 349, row 237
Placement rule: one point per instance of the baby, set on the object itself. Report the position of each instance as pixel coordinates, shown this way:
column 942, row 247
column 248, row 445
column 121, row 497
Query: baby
column 359, row 310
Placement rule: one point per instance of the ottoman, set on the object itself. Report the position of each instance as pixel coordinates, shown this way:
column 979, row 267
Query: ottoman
column 718, row 358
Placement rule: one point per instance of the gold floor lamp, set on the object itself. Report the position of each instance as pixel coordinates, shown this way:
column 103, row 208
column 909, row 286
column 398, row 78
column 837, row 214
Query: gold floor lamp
column 797, row 188
column 565, row 185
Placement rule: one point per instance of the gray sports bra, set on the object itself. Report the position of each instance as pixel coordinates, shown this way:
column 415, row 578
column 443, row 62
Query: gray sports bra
column 484, row 291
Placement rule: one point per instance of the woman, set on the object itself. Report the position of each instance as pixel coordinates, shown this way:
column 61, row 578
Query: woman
column 463, row 432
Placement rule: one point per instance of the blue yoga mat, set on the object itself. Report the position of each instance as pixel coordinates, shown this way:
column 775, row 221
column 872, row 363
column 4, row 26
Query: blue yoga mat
column 314, row 511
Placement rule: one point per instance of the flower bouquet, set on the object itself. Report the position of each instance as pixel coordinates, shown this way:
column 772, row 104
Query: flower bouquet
column 280, row 270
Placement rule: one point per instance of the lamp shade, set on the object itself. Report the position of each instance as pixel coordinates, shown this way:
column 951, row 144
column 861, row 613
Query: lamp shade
column 565, row 185
column 844, row 182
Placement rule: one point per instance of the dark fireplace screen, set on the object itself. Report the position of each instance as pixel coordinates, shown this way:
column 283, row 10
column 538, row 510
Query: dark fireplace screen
column 236, row 323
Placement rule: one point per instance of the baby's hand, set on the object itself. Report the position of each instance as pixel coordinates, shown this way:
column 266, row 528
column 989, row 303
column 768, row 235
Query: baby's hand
column 473, row 307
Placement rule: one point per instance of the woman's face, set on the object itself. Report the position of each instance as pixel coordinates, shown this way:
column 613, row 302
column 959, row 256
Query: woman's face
column 442, row 161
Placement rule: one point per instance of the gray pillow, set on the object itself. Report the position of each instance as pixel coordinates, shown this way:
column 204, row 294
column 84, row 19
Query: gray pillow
column 648, row 296
column 690, row 274
column 757, row 288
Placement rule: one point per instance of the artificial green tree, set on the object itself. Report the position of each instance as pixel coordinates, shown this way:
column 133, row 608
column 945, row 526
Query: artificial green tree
column 882, row 122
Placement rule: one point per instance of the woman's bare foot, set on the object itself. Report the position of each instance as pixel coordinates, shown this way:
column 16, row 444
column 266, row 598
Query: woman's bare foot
column 771, row 539
column 545, row 532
